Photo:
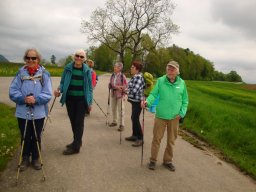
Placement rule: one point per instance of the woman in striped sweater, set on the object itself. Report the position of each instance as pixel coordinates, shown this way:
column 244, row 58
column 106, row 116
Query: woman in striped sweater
column 76, row 89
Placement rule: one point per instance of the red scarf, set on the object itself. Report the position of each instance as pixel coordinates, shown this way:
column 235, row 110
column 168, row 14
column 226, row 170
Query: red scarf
column 32, row 70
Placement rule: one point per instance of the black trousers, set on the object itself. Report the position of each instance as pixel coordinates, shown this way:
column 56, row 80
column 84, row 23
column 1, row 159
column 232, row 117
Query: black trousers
column 135, row 117
column 76, row 112
column 30, row 145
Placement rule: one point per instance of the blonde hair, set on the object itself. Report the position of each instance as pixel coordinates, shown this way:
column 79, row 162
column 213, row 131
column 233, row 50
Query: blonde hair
column 90, row 63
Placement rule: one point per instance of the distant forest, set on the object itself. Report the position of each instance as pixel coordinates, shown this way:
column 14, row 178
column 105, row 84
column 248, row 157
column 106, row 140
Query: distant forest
column 192, row 66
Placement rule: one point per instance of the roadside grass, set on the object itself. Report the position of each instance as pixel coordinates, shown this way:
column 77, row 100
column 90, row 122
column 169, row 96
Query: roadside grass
column 9, row 135
column 223, row 114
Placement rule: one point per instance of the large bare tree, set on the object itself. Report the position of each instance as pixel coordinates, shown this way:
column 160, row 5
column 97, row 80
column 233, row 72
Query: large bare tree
column 122, row 25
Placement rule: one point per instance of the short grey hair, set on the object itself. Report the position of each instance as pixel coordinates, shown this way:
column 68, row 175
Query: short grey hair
column 119, row 64
column 38, row 55
column 81, row 52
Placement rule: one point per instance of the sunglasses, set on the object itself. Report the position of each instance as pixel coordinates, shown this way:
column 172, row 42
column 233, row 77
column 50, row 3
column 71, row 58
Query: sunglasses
column 32, row 58
column 80, row 56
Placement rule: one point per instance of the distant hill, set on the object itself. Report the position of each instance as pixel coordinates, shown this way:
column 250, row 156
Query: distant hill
column 3, row 59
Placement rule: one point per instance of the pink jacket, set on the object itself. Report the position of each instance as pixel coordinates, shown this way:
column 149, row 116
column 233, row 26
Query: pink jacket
column 117, row 80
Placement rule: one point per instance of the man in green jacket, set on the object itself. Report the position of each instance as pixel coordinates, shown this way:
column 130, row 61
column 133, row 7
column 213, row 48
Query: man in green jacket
column 172, row 106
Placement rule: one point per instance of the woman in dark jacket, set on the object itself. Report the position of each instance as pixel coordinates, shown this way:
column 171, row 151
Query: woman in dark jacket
column 76, row 89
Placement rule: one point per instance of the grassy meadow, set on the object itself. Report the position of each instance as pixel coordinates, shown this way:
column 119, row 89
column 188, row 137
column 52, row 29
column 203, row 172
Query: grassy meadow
column 223, row 114
column 9, row 134
column 10, row 69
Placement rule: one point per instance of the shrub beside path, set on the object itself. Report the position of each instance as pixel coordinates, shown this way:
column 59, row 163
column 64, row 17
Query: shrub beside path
column 104, row 164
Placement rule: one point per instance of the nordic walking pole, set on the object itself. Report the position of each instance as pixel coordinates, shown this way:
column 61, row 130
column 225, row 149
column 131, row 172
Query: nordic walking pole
column 121, row 118
column 143, row 115
column 37, row 143
column 108, row 107
column 22, row 148
column 100, row 108
column 49, row 113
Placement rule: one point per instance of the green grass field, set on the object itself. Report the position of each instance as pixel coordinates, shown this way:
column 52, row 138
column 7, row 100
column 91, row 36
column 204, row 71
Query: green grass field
column 10, row 69
column 223, row 114
column 9, row 135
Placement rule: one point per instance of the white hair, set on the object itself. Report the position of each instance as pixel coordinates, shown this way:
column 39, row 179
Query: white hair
column 81, row 52
column 119, row 64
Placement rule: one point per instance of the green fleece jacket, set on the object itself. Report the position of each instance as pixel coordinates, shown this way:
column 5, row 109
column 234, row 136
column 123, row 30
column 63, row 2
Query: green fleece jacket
column 66, row 78
column 173, row 98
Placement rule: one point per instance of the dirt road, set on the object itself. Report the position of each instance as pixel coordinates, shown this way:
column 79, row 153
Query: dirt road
column 104, row 164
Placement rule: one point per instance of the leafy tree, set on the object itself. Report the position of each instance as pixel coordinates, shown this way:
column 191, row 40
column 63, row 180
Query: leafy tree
column 53, row 59
column 121, row 25
column 68, row 59
column 233, row 77
column 103, row 58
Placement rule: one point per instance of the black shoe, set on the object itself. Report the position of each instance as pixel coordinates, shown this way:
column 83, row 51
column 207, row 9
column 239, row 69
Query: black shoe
column 24, row 163
column 36, row 164
column 137, row 143
column 152, row 165
column 70, row 151
column 169, row 166
column 69, row 145
column 131, row 138
column 112, row 125
column 121, row 128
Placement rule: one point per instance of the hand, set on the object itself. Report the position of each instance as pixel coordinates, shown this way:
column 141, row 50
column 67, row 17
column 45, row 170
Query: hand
column 143, row 104
column 89, row 108
column 57, row 93
column 30, row 100
column 178, row 117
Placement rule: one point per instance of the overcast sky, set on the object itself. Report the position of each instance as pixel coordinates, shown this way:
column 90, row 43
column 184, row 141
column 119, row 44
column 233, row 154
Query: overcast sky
column 222, row 31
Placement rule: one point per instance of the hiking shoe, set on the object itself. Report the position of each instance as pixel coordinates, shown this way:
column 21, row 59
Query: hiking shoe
column 152, row 165
column 112, row 125
column 70, row 151
column 24, row 163
column 169, row 166
column 69, row 145
column 121, row 128
column 131, row 138
column 36, row 164
column 137, row 143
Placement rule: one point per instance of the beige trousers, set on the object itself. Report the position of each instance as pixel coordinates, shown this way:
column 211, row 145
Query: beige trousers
column 172, row 132
column 116, row 107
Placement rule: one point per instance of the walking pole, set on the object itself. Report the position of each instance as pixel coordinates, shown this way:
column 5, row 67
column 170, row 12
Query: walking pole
column 37, row 143
column 49, row 114
column 121, row 118
column 100, row 108
column 108, row 107
column 143, row 114
column 22, row 148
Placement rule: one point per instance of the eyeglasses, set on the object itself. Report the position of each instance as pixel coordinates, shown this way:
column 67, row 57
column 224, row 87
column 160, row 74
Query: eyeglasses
column 80, row 56
column 32, row 58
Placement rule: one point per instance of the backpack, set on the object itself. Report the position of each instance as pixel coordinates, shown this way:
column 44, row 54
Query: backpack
column 35, row 77
column 148, row 78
